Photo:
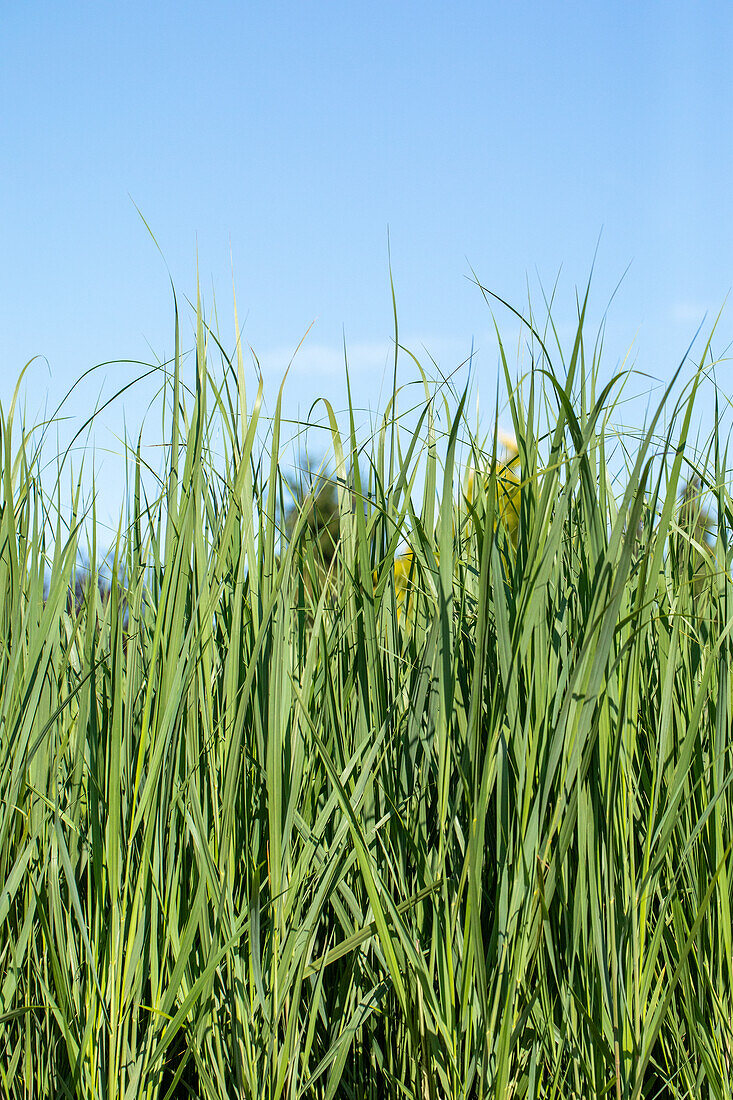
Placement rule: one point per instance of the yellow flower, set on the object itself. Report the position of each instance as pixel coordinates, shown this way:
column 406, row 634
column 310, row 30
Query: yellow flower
column 507, row 484
column 509, row 496
column 403, row 566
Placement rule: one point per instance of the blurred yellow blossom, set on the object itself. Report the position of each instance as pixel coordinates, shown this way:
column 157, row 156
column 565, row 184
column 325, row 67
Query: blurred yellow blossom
column 508, row 494
column 508, row 486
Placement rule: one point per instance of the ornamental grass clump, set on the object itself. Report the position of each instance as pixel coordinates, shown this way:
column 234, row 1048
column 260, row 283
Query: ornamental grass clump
column 274, row 825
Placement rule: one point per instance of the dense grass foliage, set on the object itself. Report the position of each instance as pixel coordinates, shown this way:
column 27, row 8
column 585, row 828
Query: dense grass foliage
column 281, row 818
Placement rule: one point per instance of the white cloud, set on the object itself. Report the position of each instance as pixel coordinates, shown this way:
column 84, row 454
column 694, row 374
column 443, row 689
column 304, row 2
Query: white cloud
column 689, row 312
column 325, row 361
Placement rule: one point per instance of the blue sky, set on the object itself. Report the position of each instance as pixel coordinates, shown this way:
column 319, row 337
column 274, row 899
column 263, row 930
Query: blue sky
column 287, row 137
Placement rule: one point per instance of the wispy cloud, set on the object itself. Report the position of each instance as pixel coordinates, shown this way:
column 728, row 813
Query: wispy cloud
column 689, row 312
column 322, row 362
column 369, row 361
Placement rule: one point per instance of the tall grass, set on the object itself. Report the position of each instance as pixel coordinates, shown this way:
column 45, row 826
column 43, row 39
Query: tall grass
column 276, row 822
